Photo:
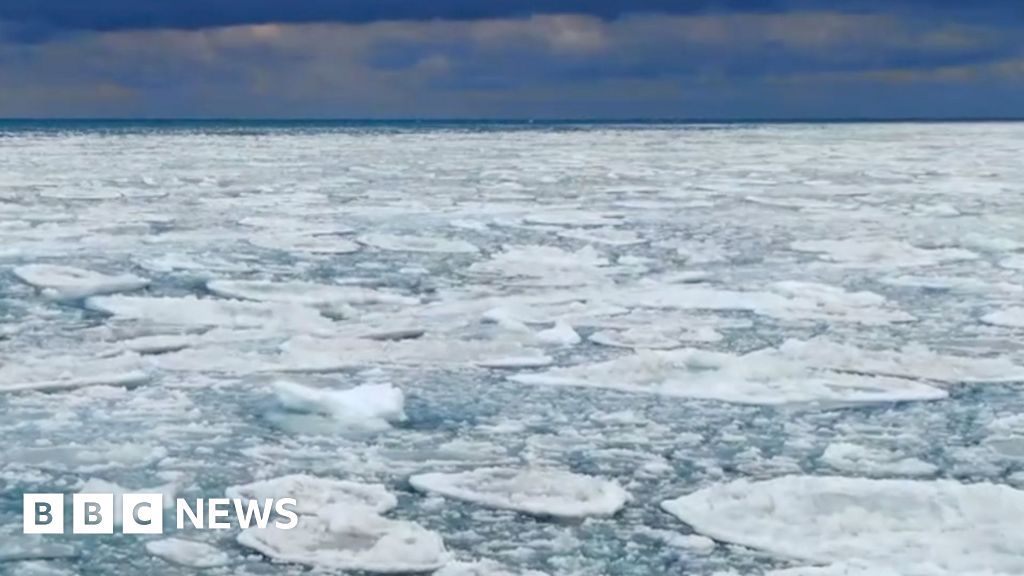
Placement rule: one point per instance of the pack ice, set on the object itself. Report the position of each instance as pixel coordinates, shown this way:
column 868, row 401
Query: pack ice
column 340, row 527
column 537, row 492
column 939, row 527
column 68, row 282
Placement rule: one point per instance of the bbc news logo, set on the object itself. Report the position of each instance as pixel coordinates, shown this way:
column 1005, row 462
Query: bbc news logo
column 143, row 513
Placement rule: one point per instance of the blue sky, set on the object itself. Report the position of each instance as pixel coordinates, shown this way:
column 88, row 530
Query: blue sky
column 512, row 59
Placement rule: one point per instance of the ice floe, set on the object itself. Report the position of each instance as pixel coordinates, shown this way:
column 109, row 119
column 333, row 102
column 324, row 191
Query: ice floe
column 607, row 236
column 313, row 494
column 305, row 243
column 397, row 243
column 1013, row 262
column 755, row 378
column 544, row 265
column 369, row 406
column 880, row 253
column 310, row 294
column 1010, row 317
column 786, row 301
column 869, row 461
column 953, row 284
column 911, row 361
column 538, row 492
column 68, row 282
column 193, row 311
column 67, row 372
column 654, row 339
column 951, row 528
column 188, row 553
column 561, row 334
column 159, row 343
column 18, row 547
column 351, row 539
column 483, row 568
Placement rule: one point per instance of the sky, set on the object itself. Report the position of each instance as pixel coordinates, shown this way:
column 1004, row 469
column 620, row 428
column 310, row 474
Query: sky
column 575, row 59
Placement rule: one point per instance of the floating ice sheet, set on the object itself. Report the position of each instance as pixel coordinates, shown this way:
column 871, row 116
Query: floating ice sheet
column 188, row 553
column 880, row 253
column 755, row 378
column 306, row 293
column 68, row 282
column 351, row 539
column 397, row 243
column 951, row 528
column 313, row 494
column 192, row 311
column 369, row 406
column 47, row 374
column 537, row 492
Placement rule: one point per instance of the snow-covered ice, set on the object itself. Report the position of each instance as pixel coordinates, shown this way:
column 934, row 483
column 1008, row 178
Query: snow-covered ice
column 369, row 406
column 952, row 528
column 58, row 281
column 188, row 553
column 304, row 293
column 755, row 378
column 537, row 492
column 398, row 243
column 313, row 494
column 1009, row 317
column 352, row 539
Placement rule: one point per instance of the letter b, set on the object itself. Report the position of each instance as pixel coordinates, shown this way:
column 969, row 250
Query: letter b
column 43, row 513
column 92, row 514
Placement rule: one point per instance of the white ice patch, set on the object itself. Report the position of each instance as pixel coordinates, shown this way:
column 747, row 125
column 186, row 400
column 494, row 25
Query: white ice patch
column 573, row 217
column 607, row 236
column 1013, row 263
column 953, row 284
column 68, row 282
column 397, row 243
column 1010, row 317
column 188, row 553
column 159, row 343
column 561, row 334
column 16, row 547
column 85, row 459
column 306, row 293
column 351, row 539
column 51, row 373
column 514, row 362
column 192, row 311
column 788, row 301
column 537, row 492
column 304, row 353
column 370, row 406
column 544, row 265
column 761, row 378
column 305, row 243
column 658, row 338
column 911, row 361
column 951, row 528
column 313, row 494
column 869, row 461
column 483, row 568
column 880, row 253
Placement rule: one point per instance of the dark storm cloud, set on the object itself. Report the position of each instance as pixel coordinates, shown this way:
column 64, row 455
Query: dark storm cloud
column 34, row 18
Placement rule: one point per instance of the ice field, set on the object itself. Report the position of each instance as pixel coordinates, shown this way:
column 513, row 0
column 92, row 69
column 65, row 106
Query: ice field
column 497, row 350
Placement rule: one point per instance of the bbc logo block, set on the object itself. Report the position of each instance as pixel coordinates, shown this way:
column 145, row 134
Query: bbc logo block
column 94, row 513
column 43, row 513
column 143, row 513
